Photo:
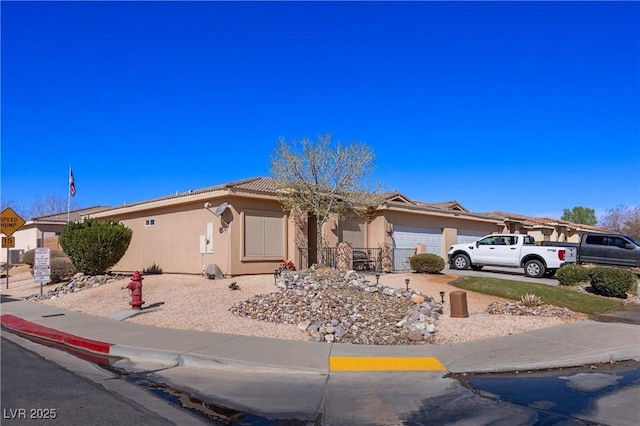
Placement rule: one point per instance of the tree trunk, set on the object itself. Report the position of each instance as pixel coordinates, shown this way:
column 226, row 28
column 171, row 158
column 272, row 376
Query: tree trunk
column 319, row 240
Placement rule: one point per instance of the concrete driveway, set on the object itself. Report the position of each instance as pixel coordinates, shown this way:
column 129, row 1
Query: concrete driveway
column 501, row 273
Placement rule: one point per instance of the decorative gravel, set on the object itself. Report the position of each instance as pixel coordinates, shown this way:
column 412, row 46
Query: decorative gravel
column 195, row 303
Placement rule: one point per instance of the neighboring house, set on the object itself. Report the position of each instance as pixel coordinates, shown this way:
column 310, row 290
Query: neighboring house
column 543, row 229
column 241, row 228
column 403, row 224
column 44, row 231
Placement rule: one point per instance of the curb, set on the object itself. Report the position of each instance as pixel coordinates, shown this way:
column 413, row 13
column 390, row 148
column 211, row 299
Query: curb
column 32, row 329
column 175, row 358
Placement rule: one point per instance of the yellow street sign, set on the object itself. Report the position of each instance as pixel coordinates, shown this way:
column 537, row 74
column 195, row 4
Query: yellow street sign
column 8, row 242
column 10, row 221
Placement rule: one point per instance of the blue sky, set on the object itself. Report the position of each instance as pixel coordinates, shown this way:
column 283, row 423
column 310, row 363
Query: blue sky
column 523, row 107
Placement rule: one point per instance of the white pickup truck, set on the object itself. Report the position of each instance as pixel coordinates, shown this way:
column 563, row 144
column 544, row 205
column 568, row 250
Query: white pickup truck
column 511, row 250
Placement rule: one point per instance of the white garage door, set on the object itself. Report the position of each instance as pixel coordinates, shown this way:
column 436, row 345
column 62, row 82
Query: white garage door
column 408, row 237
column 469, row 236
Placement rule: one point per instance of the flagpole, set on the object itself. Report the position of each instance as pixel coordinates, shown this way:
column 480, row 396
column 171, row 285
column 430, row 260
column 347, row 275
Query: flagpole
column 69, row 197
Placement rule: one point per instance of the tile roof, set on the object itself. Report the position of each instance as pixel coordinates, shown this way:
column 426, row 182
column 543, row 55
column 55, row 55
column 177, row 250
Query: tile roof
column 258, row 185
column 267, row 186
column 74, row 215
column 438, row 208
column 542, row 221
column 446, row 205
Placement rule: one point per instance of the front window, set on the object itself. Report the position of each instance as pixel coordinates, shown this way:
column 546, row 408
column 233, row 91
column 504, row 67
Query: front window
column 353, row 232
column 263, row 235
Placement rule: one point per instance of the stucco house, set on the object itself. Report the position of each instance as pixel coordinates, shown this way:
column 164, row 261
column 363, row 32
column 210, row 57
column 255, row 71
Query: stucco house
column 240, row 227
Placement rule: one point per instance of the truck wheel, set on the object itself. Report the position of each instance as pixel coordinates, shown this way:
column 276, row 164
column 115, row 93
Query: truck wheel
column 460, row 261
column 534, row 268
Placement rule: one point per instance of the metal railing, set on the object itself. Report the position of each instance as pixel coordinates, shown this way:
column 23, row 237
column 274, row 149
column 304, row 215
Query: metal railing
column 401, row 258
column 365, row 259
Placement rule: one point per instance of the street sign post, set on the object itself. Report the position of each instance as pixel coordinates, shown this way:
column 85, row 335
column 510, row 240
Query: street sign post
column 42, row 266
column 10, row 222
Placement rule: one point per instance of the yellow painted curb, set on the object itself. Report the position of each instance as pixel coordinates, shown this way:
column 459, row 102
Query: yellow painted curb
column 347, row 363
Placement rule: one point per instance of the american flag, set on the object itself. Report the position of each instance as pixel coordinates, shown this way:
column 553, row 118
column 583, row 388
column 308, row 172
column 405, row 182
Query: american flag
column 72, row 184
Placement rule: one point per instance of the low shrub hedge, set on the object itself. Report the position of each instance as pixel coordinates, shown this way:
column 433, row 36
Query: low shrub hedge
column 28, row 256
column 62, row 268
column 612, row 282
column 426, row 263
column 573, row 274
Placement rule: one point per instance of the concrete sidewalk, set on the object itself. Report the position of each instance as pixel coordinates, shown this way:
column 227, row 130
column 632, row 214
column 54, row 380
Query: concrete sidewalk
column 569, row 345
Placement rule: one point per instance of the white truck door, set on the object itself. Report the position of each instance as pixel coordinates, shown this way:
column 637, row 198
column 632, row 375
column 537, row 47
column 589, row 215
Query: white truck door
column 510, row 252
column 494, row 250
column 484, row 250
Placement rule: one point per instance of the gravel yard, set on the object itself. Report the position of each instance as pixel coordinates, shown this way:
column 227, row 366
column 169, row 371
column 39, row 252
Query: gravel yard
column 195, row 303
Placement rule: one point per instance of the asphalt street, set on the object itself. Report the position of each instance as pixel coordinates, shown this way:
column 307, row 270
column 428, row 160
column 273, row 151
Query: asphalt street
column 44, row 386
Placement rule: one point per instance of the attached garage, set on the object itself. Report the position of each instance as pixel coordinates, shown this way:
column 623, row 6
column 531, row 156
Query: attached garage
column 408, row 237
column 469, row 236
column 405, row 239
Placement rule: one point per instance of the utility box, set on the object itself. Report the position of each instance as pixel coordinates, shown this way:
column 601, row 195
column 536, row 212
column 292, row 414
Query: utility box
column 16, row 257
column 458, row 304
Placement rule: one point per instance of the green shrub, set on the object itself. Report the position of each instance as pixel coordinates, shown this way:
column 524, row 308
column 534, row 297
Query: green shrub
column 61, row 269
column 531, row 300
column 95, row 246
column 612, row 282
column 29, row 256
column 426, row 263
column 573, row 274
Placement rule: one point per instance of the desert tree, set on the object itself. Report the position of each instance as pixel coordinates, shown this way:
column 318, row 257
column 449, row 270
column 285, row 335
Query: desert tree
column 15, row 205
column 582, row 215
column 324, row 178
column 623, row 219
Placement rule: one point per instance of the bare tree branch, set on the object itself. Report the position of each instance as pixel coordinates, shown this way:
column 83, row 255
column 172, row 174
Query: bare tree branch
column 324, row 179
column 623, row 219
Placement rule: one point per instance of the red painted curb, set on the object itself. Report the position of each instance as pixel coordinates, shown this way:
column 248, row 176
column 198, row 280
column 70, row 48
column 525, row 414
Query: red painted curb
column 27, row 327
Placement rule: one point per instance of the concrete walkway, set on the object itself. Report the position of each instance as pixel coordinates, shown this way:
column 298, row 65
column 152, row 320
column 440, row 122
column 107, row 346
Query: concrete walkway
column 568, row 345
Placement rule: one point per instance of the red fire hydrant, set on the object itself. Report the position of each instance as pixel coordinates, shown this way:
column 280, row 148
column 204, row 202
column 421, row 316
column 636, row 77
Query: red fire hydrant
column 135, row 286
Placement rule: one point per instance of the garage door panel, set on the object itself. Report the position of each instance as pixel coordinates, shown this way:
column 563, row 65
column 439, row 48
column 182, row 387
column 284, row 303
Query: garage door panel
column 465, row 237
column 408, row 237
